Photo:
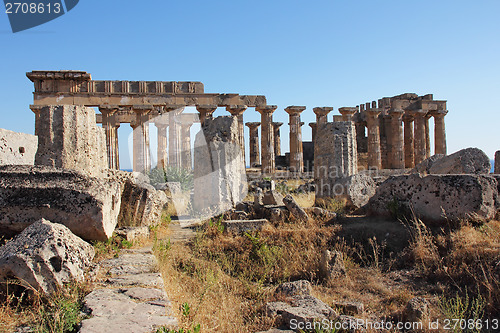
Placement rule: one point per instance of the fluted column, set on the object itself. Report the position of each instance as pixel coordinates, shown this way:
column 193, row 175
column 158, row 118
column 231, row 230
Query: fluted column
column 267, row 140
column 110, row 125
column 427, row 136
column 174, row 135
column 439, row 132
column 254, row 144
column 419, row 134
column 313, row 126
column 296, row 150
column 322, row 114
column 206, row 111
column 398, row 158
column 186, row 160
column 141, row 138
column 347, row 113
column 162, row 157
column 237, row 111
column 372, row 121
column 408, row 141
column 277, row 138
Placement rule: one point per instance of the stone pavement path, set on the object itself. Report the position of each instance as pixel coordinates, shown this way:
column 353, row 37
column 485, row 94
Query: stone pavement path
column 131, row 298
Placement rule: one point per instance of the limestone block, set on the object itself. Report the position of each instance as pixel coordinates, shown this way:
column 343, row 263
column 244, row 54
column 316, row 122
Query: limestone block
column 423, row 167
column 331, row 265
column 335, row 155
column 219, row 168
column 295, row 288
column 141, row 203
column 44, row 256
column 242, row 226
column 69, row 138
column 17, row 148
column 295, row 209
column 132, row 233
column 273, row 197
column 435, row 197
column 88, row 206
column 465, row 161
column 356, row 190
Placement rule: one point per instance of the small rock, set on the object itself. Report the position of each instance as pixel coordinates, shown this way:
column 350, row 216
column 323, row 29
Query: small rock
column 416, row 309
column 332, row 265
column 242, row 226
column 133, row 233
column 349, row 308
column 295, row 288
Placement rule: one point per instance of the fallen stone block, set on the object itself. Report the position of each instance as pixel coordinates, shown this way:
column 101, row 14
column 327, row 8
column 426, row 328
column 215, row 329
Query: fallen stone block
column 295, row 288
column 424, row 167
column 17, row 148
column 273, row 197
column 437, row 198
column 349, row 308
column 295, row 209
column 321, row 213
column 88, row 206
column 242, row 226
column 356, row 190
column 44, row 256
column 132, row 233
column 465, row 161
column 331, row 265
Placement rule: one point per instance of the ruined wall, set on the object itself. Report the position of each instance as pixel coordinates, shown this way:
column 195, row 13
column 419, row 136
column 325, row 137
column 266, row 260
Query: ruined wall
column 69, row 138
column 17, row 148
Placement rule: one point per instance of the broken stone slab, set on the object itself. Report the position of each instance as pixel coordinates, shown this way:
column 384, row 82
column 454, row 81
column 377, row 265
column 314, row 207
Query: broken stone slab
column 306, row 310
column 141, row 203
column 132, row 233
column 152, row 280
column 295, row 288
column 130, row 263
column 295, row 209
column 242, row 226
column 130, row 310
column 423, row 167
column 44, row 256
column 465, row 161
column 321, row 213
column 356, row 190
column 17, row 148
column 273, row 197
column 331, row 265
column 438, row 198
column 88, row 206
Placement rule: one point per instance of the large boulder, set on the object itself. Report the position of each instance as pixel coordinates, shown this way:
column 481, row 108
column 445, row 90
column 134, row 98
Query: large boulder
column 356, row 190
column 436, row 198
column 141, row 203
column 465, row 161
column 88, row 206
column 17, row 148
column 44, row 256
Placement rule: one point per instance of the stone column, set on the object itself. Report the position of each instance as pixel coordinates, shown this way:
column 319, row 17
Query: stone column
column 254, row 144
column 322, row 114
column 372, row 121
column 398, row 158
column 267, row 140
column 296, row 150
column 162, row 157
column 408, row 141
column 109, row 123
column 439, row 131
column 277, row 138
column 313, row 126
column 427, row 136
column 174, row 135
column 206, row 111
column 237, row 111
column 420, row 150
column 186, row 160
column 497, row 162
column 347, row 113
column 142, row 158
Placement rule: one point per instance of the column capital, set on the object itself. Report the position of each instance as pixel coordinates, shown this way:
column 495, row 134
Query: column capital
column 294, row 110
column 236, row 110
column 348, row 110
column 407, row 117
column 36, row 108
column 396, row 113
column 108, row 110
column 206, row 108
column 277, row 125
column 417, row 113
column 313, row 125
column 438, row 113
column 160, row 125
column 266, row 109
column 322, row 110
column 252, row 125
column 373, row 112
column 134, row 123
column 173, row 107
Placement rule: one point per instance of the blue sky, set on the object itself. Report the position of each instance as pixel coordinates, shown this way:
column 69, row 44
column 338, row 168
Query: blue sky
column 314, row 53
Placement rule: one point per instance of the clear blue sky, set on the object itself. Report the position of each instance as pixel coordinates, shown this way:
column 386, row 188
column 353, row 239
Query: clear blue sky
column 312, row 53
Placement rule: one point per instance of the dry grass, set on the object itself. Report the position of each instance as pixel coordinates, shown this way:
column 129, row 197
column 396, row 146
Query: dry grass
column 304, row 200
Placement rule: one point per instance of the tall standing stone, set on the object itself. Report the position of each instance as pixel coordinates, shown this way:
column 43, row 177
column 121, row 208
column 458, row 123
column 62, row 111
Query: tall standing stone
column 254, row 143
column 398, row 158
column 219, row 173
column 420, row 141
column 374, row 155
column 313, row 131
column 296, row 150
column 186, row 160
column 174, row 135
column 277, row 138
column 142, row 158
column 69, row 138
column 268, row 165
column 237, row 111
column 162, row 157
column 335, row 155
column 111, row 125
column 439, row 131
column 408, row 141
